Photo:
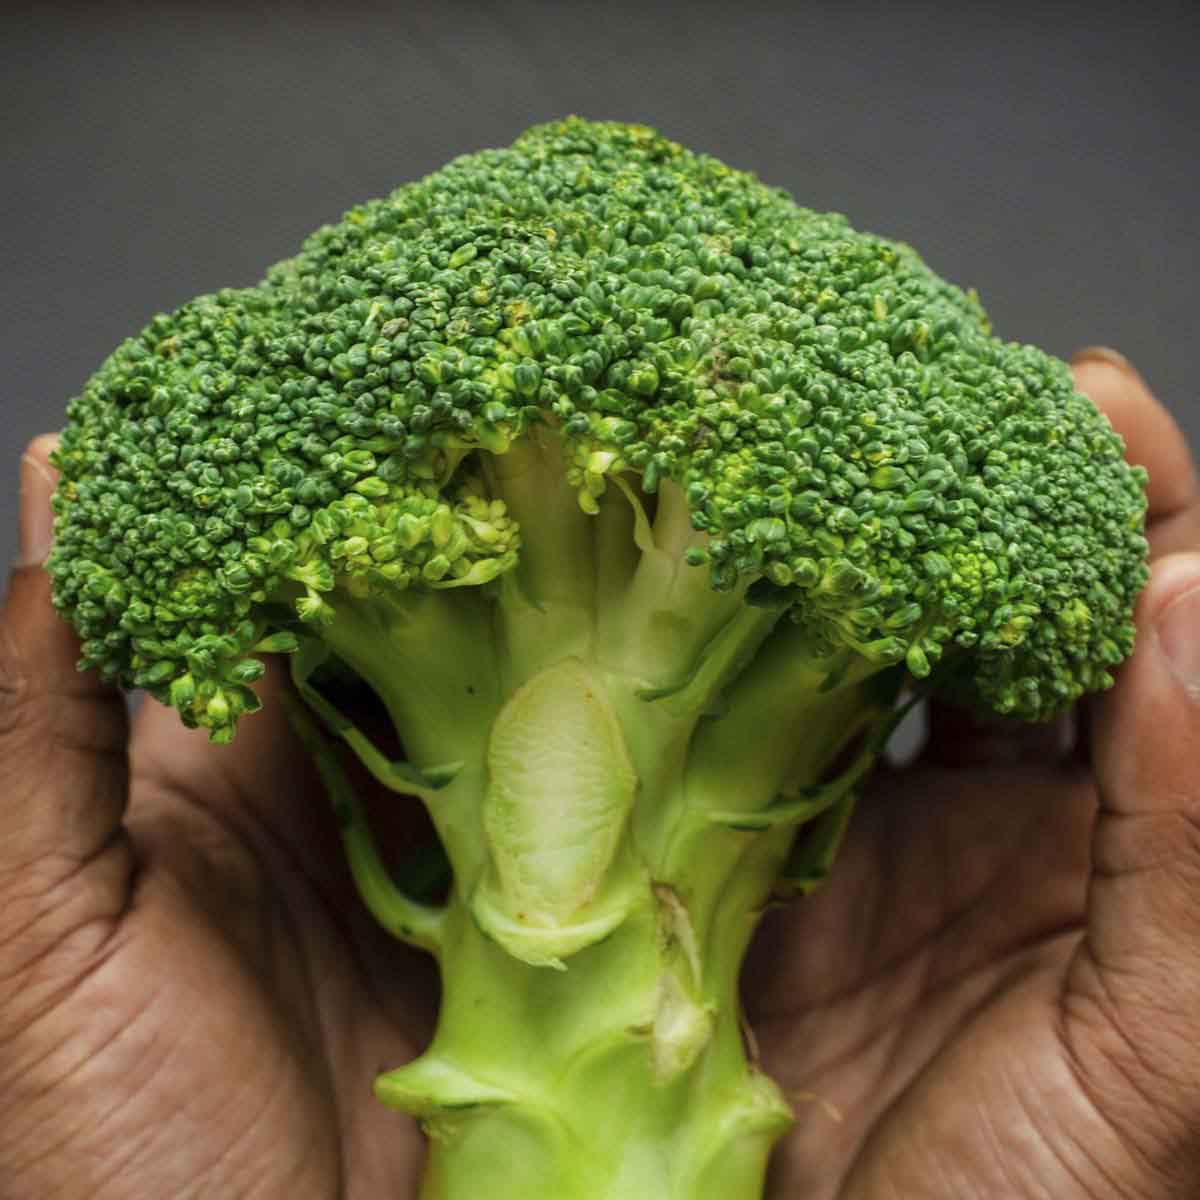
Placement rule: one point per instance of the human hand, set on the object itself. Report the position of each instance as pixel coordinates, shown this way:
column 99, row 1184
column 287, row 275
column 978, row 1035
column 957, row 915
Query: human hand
column 997, row 994
column 193, row 1002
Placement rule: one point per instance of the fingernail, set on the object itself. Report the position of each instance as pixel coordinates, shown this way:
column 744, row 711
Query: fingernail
column 1178, row 629
column 36, row 524
column 1105, row 356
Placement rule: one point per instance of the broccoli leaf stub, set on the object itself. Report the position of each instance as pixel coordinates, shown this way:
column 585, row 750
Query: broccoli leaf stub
column 556, row 807
column 849, row 434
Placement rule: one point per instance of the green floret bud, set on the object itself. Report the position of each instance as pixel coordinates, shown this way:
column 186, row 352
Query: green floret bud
column 636, row 492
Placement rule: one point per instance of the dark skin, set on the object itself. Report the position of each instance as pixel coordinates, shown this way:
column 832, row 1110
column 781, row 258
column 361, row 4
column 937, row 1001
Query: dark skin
column 994, row 996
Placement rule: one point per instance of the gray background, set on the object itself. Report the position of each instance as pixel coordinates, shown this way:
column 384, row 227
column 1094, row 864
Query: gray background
column 1043, row 153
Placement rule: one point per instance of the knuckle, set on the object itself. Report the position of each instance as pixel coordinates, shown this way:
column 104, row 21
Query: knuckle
column 1164, row 840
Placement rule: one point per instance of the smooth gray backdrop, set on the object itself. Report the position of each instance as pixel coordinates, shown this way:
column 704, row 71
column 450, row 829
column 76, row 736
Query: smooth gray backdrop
column 1044, row 153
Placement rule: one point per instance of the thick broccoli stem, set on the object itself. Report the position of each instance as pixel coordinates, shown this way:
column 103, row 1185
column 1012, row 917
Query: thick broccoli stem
column 619, row 760
column 623, row 1073
column 543, row 1082
column 605, row 892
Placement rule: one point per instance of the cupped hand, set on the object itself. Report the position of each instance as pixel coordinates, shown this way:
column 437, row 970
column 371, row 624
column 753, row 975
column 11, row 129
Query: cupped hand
column 193, row 1002
column 997, row 994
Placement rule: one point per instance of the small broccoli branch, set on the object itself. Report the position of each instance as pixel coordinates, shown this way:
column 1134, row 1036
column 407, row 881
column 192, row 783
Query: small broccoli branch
column 397, row 775
column 417, row 924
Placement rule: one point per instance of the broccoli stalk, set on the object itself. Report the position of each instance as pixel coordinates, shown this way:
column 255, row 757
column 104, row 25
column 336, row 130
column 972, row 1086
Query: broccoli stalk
column 615, row 822
column 637, row 495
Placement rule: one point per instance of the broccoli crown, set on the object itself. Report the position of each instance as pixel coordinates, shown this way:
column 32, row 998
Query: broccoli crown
column 853, row 444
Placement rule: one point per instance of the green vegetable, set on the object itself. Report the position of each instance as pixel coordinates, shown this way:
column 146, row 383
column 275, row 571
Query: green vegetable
column 637, row 494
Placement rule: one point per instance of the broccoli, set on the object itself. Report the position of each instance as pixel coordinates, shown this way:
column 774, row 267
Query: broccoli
column 643, row 500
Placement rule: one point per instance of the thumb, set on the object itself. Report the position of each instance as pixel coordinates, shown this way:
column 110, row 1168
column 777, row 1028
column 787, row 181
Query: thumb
column 62, row 756
column 1136, row 977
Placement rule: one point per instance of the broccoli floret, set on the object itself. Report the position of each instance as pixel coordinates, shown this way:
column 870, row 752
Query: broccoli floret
column 637, row 494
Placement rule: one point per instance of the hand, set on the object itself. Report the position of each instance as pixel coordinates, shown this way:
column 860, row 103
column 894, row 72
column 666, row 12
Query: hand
column 193, row 1002
column 997, row 995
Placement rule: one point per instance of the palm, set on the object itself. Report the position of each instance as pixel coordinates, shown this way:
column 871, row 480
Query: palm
column 928, row 967
column 236, row 1012
column 912, row 1007
column 946, row 924
column 238, row 1009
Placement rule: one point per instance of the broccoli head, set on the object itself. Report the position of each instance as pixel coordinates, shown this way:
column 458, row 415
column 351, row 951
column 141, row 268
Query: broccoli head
column 637, row 494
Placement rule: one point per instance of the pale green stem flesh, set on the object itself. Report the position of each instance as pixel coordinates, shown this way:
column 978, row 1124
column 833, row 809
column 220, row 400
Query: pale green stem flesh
column 613, row 1079
column 404, row 918
column 615, row 833
column 589, row 1045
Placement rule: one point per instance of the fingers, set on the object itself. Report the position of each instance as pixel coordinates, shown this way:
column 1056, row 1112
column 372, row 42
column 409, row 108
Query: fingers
column 1152, row 440
column 1135, row 983
column 62, row 733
